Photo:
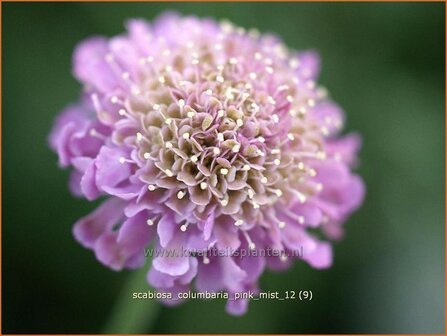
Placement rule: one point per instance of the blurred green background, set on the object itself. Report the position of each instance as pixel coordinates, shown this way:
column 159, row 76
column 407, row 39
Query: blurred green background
column 384, row 63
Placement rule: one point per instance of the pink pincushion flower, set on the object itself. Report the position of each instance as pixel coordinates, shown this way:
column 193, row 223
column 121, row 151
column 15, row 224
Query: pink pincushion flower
column 204, row 137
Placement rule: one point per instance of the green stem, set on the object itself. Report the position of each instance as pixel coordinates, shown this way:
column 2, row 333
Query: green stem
column 133, row 316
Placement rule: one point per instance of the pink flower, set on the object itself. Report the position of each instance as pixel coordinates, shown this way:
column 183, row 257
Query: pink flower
column 204, row 137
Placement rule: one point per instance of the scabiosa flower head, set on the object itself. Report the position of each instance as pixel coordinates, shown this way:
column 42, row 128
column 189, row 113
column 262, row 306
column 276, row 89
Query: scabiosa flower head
column 203, row 136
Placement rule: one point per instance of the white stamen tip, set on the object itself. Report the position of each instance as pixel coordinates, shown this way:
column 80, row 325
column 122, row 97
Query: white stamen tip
column 194, row 158
column 122, row 112
column 203, row 185
column 224, row 202
column 277, row 162
column 168, row 121
column 169, row 173
column 275, row 118
column 180, row 194
column 216, row 151
column 250, row 193
column 139, row 136
column 156, row 107
column 162, row 79
column 278, row 192
column 239, row 222
column 281, row 225
column 181, row 102
column 246, row 167
column 146, row 155
column 122, row 160
column 151, row 187
column 239, row 122
column 185, row 135
column 264, row 180
column 168, row 144
column 261, row 139
column 224, row 171
column 301, row 219
column 236, row 148
column 291, row 136
column 183, row 227
column 251, row 246
column 190, row 114
column 150, row 222
column 220, row 137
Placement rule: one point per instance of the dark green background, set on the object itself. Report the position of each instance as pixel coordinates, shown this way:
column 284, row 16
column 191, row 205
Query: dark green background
column 384, row 63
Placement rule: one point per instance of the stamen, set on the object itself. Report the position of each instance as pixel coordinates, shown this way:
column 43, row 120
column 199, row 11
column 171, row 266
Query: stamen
column 180, row 194
column 251, row 245
column 233, row 61
column 239, row 222
column 275, row 118
column 151, row 187
column 250, row 193
column 150, row 222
